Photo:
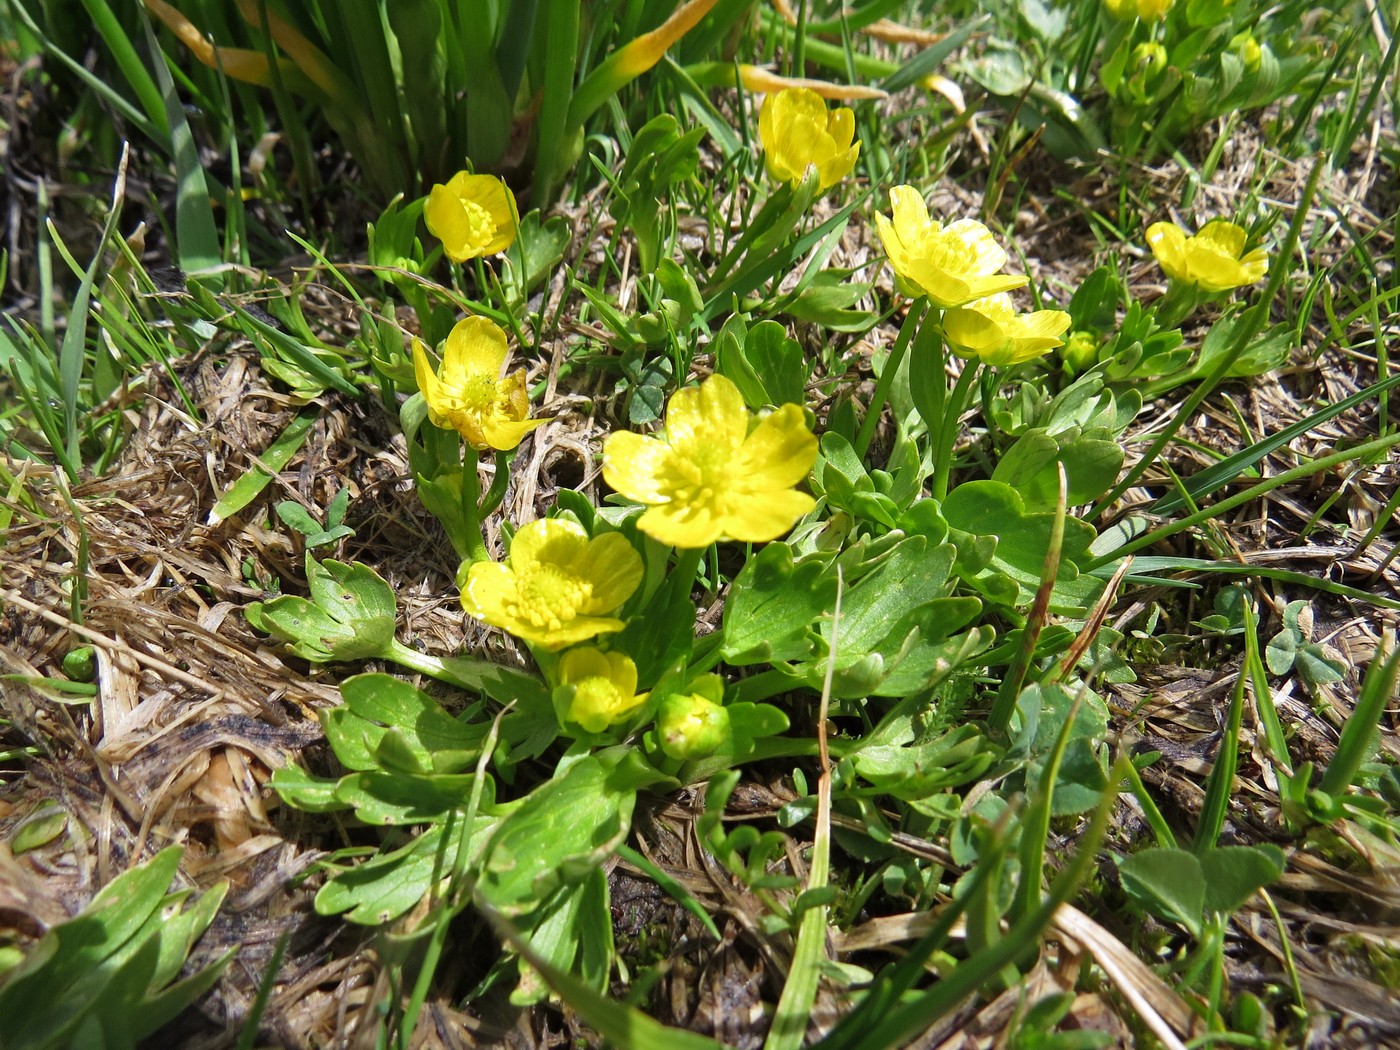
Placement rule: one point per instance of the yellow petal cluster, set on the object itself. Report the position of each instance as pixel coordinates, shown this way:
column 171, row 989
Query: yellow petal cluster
column 604, row 687
column 1147, row 10
column 470, row 395
column 473, row 215
column 710, row 475
column 992, row 330
column 558, row 586
column 798, row 132
column 1213, row 260
column 953, row 264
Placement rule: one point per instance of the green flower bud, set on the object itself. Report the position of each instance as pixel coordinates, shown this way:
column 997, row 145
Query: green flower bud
column 1080, row 352
column 1246, row 48
column 690, row 726
column 1148, row 72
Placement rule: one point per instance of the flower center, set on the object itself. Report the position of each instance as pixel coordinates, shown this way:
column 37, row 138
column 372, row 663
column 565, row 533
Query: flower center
column 598, row 703
column 696, row 477
column 481, row 228
column 549, row 596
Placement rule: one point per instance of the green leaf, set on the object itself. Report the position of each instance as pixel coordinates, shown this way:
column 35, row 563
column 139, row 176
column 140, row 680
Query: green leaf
column 565, row 829
column 377, row 703
column 388, row 799
column 1283, row 650
column 995, row 509
column 1233, row 874
column 773, row 607
column 779, row 363
column 383, row 888
column 277, row 456
column 350, row 615
column 1168, row 883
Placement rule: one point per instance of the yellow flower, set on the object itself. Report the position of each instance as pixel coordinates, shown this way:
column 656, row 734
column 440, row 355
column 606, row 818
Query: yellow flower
column 557, row 587
column 472, row 215
column 991, row 329
column 1147, row 10
column 798, row 132
column 952, row 264
column 470, row 395
column 1214, row 259
column 709, row 475
column 604, row 688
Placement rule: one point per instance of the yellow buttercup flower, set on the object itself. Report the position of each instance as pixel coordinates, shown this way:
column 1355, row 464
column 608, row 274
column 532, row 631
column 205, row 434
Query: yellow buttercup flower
column 992, row 330
column 604, row 688
column 1213, row 260
column 472, row 215
column 470, row 395
column 952, row 264
column 1147, row 10
column 557, row 587
column 798, row 132
column 710, row 475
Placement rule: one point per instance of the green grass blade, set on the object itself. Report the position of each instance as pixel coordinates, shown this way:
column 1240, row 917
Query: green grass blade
column 279, row 454
column 1227, row 470
column 1359, row 736
column 1371, row 451
column 1220, row 785
column 128, row 61
column 197, row 237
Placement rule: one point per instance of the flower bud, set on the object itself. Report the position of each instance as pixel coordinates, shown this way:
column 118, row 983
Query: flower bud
column 1246, row 48
column 1148, row 67
column 1080, row 352
column 689, row 726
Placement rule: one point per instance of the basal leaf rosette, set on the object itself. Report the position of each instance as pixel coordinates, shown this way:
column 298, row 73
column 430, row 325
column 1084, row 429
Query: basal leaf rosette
column 469, row 394
column 596, row 690
column 992, row 330
column 1213, row 259
column 952, row 264
column 798, row 132
column 473, row 215
column 558, row 587
column 713, row 473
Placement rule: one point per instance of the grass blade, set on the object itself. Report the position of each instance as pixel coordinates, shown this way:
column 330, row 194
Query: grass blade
column 279, row 454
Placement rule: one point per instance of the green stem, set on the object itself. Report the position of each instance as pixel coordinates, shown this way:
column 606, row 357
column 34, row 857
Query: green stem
column 497, row 492
column 882, row 387
column 948, row 431
column 473, row 543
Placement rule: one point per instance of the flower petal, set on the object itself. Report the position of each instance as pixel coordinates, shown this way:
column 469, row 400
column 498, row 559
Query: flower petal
column 778, row 454
column 555, row 541
column 767, row 517
column 683, row 526
column 1168, row 243
column 476, row 346
column 614, row 568
column 632, row 464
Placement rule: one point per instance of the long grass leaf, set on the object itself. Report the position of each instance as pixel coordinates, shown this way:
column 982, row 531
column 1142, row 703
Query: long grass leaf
column 1359, row 740
column 196, row 235
column 279, row 454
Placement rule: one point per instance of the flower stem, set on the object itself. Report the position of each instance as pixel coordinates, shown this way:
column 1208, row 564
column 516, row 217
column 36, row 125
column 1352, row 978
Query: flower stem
column 473, row 543
column 882, row 387
column 948, row 430
column 497, row 492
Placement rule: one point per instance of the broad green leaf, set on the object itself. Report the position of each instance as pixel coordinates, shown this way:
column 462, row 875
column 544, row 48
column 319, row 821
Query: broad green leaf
column 774, row 606
column 374, row 703
column 1168, row 883
column 1233, row 874
column 350, row 615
